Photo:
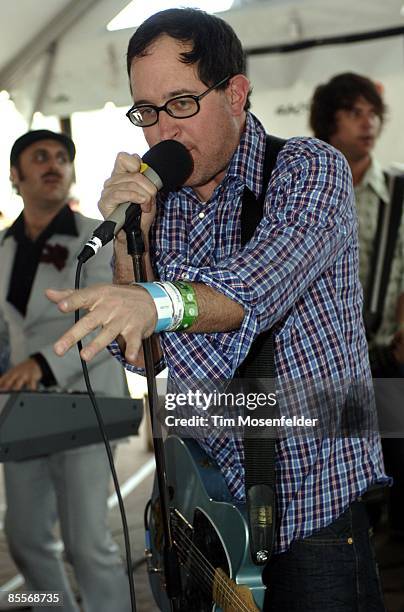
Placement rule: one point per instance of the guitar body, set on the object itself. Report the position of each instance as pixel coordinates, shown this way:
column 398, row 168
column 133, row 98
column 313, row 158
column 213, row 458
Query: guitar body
column 210, row 533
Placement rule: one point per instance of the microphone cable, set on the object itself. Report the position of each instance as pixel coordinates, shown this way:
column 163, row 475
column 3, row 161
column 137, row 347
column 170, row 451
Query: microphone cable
column 168, row 164
column 101, row 426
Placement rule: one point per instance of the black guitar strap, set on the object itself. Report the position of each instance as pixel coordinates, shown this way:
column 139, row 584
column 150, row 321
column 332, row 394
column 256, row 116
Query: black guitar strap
column 259, row 448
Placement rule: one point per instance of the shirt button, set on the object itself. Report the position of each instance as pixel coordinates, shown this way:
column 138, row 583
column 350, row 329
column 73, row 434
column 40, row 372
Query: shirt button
column 201, row 215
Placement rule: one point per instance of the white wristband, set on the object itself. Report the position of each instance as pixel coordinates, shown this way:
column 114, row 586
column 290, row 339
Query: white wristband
column 177, row 302
column 163, row 303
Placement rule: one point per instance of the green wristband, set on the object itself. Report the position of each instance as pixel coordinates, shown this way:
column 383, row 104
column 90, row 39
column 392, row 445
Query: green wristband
column 188, row 296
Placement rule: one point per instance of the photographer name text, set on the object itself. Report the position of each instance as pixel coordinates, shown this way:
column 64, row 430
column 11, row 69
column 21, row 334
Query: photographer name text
column 217, row 420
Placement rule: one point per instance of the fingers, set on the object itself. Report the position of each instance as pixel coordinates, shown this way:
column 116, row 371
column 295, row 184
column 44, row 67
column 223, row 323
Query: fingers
column 57, row 295
column 69, row 300
column 126, row 184
column 127, row 188
column 8, row 383
column 115, row 311
column 106, row 335
column 101, row 341
column 132, row 348
column 127, row 162
column 22, row 376
column 80, row 330
column 137, row 181
column 4, row 383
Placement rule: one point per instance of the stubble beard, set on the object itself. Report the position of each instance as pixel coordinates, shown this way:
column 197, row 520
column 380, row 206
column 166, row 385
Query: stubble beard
column 217, row 166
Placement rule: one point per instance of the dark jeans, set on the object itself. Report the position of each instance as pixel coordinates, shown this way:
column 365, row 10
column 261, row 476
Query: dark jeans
column 334, row 570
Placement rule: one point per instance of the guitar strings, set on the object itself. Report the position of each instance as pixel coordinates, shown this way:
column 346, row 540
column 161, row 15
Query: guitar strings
column 229, row 594
column 206, row 584
column 210, row 569
column 202, row 580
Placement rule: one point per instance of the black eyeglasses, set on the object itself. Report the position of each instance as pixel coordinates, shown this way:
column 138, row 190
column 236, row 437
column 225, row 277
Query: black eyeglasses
column 180, row 107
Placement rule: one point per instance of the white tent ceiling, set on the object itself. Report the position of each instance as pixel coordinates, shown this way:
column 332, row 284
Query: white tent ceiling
column 58, row 57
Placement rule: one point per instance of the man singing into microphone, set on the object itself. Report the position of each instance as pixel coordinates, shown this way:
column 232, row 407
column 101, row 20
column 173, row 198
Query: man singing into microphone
column 297, row 275
column 39, row 249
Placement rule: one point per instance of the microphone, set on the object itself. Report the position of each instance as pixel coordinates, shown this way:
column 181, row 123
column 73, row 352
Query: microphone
column 167, row 165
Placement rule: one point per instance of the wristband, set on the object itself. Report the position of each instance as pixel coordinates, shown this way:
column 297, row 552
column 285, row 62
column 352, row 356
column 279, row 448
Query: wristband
column 177, row 303
column 190, row 304
column 163, row 303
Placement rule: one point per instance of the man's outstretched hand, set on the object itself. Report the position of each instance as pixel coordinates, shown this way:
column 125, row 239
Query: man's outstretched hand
column 127, row 312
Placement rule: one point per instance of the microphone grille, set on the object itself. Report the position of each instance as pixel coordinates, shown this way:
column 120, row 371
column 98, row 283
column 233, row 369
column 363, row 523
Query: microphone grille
column 171, row 161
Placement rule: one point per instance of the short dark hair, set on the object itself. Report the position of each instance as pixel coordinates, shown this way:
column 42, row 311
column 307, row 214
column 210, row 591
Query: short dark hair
column 341, row 92
column 216, row 49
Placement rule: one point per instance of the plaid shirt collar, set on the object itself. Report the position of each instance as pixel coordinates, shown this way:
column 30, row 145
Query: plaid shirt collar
column 249, row 156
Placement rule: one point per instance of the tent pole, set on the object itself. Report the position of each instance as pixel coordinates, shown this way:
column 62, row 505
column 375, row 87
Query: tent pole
column 43, row 86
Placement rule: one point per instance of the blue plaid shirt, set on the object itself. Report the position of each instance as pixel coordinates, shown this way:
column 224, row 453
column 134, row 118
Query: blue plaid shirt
column 298, row 273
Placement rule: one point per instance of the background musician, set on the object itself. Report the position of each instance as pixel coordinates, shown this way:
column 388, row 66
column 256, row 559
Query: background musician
column 38, row 250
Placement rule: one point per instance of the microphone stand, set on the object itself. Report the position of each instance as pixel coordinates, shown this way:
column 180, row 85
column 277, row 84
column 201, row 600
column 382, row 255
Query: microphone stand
column 136, row 250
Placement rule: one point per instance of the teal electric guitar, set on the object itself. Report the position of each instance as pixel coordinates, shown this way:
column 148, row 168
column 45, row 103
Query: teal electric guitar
column 210, row 534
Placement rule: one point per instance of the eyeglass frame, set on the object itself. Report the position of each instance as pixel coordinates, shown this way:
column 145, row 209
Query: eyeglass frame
column 164, row 108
